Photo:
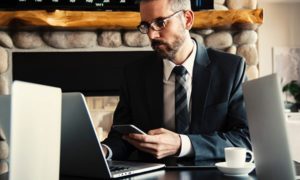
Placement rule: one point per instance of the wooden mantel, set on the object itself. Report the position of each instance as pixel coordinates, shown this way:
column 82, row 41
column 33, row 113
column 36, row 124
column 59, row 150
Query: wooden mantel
column 120, row 20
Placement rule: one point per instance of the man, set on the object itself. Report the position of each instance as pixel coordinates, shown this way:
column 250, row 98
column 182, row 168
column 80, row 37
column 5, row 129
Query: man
column 198, row 118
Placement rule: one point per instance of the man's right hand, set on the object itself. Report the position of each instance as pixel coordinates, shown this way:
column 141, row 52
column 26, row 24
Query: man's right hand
column 105, row 151
column 158, row 142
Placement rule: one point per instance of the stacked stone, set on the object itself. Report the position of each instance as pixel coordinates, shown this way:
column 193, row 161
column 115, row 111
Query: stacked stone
column 3, row 153
column 5, row 42
column 241, row 42
column 238, row 39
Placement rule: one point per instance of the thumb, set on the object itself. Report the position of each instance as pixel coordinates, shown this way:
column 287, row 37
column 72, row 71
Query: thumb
column 157, row 131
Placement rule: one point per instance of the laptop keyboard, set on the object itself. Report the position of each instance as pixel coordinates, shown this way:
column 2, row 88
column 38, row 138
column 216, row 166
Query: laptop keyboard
column 118, row 168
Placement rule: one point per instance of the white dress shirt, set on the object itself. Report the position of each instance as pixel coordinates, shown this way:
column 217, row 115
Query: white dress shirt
column 169, row 98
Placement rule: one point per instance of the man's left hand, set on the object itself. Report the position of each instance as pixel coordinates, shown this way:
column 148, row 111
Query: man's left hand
column 158, row 142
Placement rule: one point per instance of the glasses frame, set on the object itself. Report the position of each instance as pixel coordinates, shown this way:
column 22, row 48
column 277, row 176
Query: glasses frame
column 154, row 24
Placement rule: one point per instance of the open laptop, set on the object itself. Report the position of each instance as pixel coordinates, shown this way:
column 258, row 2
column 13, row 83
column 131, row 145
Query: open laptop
column 267, row 126
column 81, row 151
column 31, row 120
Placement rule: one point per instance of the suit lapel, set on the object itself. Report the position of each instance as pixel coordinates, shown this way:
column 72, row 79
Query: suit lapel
column 154, row 90
column 200, row 87
column 154, row 93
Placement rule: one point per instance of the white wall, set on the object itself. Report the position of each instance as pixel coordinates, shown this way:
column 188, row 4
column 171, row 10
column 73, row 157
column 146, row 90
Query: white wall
column 281, row 27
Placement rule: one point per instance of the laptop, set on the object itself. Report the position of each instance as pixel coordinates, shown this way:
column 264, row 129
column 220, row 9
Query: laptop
column 81, row 151
column 31, row 120
column 264, row 106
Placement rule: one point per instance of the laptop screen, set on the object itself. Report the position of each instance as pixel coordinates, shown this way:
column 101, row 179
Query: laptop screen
column 266, row 118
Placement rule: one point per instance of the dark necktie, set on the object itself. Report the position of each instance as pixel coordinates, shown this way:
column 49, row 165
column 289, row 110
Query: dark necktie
column 181, row 108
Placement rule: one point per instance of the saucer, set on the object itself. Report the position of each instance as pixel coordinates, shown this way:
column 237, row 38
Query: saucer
column 235, row 171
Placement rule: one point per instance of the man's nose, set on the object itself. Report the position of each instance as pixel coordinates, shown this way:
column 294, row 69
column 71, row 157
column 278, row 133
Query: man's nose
column 152, row 34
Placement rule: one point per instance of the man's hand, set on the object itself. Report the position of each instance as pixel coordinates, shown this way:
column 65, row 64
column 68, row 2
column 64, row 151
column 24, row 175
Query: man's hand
column 105, row 151
column 159, row 142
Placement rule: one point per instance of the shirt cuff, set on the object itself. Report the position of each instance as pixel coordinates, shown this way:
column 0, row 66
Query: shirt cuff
column 186, row 146
column 109, row 152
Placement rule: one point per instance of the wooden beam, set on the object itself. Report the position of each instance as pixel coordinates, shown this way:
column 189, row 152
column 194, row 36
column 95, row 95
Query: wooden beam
column 212, row 18
column 119, row 20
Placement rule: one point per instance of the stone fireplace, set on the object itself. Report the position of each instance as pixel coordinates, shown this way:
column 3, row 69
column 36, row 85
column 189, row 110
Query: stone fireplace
column 22, row 44
column 238, row 39
column 96, row 74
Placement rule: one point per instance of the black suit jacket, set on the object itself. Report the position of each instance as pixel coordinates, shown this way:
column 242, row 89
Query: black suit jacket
column 218, row 117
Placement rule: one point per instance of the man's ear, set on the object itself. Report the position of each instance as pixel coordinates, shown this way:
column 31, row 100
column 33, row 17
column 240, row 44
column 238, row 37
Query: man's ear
column 189, row 19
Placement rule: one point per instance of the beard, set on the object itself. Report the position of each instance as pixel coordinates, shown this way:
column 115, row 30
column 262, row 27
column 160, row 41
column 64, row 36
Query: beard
column 167, row 50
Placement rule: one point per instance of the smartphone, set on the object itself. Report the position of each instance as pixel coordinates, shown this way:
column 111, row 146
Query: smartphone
column 127, row 129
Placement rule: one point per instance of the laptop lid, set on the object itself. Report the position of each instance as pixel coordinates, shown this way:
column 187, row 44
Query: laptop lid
column 35, row 132
column 266, row 119
column 81, row 151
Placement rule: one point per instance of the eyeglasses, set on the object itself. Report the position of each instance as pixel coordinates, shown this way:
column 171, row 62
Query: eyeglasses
column 157, row 24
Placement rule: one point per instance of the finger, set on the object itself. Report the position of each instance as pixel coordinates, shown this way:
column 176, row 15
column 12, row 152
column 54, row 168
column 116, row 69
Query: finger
column 161, row 154
column 149, row 147
column 140, row 147
column 132, row 141
column 152, row 146
column 125, row 136
column 157, row 154
column 157, row 131
column 143, row 138
column 135, row 136
column 148, row 151
column 157, row 151
column 158, row 148
column 143, row 144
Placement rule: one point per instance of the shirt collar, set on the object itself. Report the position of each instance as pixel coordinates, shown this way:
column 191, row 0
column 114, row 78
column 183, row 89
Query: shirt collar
column 188, row 64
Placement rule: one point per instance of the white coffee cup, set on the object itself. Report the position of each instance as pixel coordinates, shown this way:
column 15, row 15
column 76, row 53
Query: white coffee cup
column 236, row 156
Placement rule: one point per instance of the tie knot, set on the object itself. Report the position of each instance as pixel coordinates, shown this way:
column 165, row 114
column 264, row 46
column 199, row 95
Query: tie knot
column 179, row 70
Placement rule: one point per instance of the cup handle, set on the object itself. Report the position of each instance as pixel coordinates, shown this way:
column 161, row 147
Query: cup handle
column 252, row 156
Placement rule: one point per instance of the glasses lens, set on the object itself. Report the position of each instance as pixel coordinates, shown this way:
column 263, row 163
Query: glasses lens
column 143, row 28
column 159, row 24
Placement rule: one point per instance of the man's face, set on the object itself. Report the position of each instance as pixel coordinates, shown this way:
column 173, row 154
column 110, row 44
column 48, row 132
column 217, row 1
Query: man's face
column 167, row 41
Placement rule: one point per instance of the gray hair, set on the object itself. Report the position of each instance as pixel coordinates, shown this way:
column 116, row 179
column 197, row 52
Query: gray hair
column 175, row 5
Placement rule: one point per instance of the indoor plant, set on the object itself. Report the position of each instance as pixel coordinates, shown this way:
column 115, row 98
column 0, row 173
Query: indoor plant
column 293, row 88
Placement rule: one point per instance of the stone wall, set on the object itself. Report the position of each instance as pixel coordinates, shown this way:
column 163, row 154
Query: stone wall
column 4, row 152
column 240, row 40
